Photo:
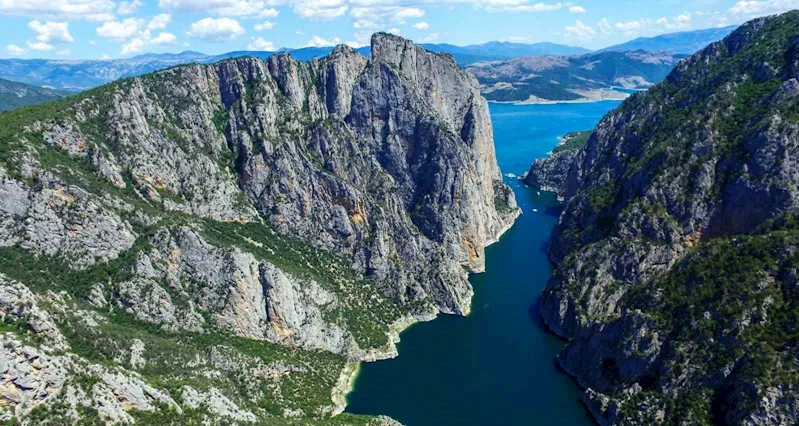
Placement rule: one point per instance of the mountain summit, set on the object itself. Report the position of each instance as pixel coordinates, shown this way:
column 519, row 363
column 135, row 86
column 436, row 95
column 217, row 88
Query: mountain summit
column 216, row 243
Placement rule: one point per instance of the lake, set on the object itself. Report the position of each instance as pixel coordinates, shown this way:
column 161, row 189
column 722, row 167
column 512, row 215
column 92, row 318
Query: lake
column 496, row 366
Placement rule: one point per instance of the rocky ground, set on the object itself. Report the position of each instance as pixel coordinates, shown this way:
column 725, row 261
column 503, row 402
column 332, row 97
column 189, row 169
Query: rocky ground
column 676, row 250
column 219, row 243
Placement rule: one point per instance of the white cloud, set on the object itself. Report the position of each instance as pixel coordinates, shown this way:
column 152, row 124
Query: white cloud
column 317, row 41
column 679, row 22
column 604, row 27
column 519, row 6
column 489, row 5
column 393, row 30
column 211, row 29
column 14, row 50
column 421, row 25
column 93, row 10
column 320, row 10
column 719, row 21
column 40, row 46
column 362, row 38
column 629, row 28
column 375, row 18
column 129, row 8
column 261, row 44
column 269, row 13
column 519, row 39
column 159, row 21
column 580, row 31
column 105, row 57
column 133, row 46
column 164, row 39
column 224, row 8
column 431, row 38
column 134, row 33
column 62, row 52
column 120, row 30
column 51, row 32
column 764, row 7
column 266, row 25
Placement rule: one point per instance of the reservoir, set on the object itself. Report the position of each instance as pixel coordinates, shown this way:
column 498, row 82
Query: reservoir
column 496, row 366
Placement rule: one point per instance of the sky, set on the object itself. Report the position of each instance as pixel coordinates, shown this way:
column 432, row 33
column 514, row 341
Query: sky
column 109, row 29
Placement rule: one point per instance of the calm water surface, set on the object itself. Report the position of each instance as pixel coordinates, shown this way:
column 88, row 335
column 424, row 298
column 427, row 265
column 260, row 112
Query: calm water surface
column 496, row 366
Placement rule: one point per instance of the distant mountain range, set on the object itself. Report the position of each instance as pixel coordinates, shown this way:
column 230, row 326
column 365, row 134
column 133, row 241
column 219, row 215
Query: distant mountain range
column 78, row 75
column 685, row 43
column 498, row 50
column 594, row 76
column 15, row 95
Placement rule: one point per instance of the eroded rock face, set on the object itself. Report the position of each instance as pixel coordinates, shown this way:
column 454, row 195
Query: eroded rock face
column 249, row 228
column 242, row 294
column 387, row 161
column 662, row 316
column 58, row 218
column 558, row 173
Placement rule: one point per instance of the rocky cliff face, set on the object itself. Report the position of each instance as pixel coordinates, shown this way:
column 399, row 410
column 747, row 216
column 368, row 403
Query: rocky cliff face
column 676, row 248
column 559, row 172
column 245, row 228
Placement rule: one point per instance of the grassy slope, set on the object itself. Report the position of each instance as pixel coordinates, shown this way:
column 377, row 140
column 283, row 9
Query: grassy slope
column 364, row 312
column 9, row 98
column 697, row 303
column 573, row 141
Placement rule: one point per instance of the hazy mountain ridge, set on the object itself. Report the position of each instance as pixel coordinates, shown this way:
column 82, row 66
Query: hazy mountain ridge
column 684, row 42
column 570, row 78
column 15, row 95
column 77, row 75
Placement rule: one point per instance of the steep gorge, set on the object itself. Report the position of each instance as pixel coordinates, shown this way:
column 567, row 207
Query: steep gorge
column 676, row 250
column 169, row 241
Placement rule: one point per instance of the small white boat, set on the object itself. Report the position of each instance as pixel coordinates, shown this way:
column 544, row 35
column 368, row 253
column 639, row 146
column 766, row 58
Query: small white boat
column 535, row 210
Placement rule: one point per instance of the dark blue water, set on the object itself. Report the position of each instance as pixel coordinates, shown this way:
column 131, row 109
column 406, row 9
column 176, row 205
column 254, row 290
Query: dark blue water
column 496, row 366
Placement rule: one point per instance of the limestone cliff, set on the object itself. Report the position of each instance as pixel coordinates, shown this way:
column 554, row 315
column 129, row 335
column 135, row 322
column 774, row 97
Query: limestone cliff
column 675, row 252
column 241, row 230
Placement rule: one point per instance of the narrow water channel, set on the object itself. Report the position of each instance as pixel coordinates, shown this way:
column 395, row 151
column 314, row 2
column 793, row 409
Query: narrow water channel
column 496, row 366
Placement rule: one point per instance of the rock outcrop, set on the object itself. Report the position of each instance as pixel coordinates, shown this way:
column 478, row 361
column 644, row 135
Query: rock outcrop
column 246, row 229
column 675, row 252
column 558, row 173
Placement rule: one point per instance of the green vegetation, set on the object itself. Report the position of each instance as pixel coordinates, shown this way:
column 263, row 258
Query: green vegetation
column 14, row 95
column 702, row 301
column 178, row 358
column 573, row 141
column 367, row 313
column 719, row 329
column 501, row 194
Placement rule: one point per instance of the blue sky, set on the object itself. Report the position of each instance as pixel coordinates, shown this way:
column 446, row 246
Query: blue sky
column 112, row 29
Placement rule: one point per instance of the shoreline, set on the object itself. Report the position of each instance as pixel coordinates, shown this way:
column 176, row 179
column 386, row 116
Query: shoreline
column 344, row 385
column 346, row 381
column 617, row 96
column 504, row 229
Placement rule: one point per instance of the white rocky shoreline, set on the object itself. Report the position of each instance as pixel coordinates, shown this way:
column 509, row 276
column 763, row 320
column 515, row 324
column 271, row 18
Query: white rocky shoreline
column 588, row 96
